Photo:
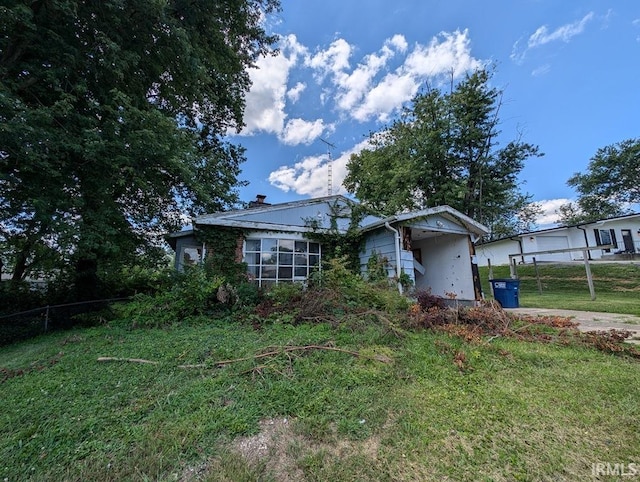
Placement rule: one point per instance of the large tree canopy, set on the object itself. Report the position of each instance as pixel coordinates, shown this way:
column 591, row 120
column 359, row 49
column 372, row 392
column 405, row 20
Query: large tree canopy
column 112, row 117
column 443, row 150
column 611, row 183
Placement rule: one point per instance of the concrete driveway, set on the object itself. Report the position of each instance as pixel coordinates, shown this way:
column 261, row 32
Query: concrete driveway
column 590, row 320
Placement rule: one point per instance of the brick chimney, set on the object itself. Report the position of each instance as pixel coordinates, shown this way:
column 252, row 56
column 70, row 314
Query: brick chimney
column 258, row 202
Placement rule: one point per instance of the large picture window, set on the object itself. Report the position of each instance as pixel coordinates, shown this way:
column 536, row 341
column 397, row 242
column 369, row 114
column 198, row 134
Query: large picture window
column 273, row 260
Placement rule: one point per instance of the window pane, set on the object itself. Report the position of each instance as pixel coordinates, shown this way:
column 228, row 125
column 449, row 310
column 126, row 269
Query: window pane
column 314, row 247
column 314, row 259
column 190, row 256
column 285, row 273
column 301, row 246
column 285, row 245
column 285, row 259
column 269, row 244
column 605, row 236
column 269, row 272
column 253, row 271
column 252, row 258
column 268, row 258
column 301, row 260
column 253, row 245
column 301, row 271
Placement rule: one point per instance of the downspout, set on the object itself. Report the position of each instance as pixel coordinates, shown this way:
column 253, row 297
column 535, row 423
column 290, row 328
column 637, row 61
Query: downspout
column 586, row 240
column 398, row 261
column 519, row 241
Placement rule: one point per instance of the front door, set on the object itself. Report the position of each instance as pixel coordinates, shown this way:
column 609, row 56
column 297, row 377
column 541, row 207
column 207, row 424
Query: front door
column 627, row 239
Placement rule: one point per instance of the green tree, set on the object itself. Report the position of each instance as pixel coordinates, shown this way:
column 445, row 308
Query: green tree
column 611, row 183
column 444, row 150
column 112, row 116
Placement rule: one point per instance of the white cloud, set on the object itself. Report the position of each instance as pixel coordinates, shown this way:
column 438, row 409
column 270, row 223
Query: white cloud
column 550, row 211
column 565, row 33
column 299, row 131
column 265, row 102
column 333, row 60
column 542, row 70
column 448, row 53
column 386, row 97
column 294, row 93
column 311, row 175
column 543, row 36
column 361, row 97
column 354, row 86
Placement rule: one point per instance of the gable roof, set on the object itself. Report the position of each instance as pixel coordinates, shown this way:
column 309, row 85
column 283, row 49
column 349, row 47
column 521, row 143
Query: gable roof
column 310, row 214
column 415, row 218
column 294, row 216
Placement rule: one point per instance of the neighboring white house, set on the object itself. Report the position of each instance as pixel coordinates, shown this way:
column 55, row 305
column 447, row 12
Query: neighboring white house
column 433, row 247
column 622, row 233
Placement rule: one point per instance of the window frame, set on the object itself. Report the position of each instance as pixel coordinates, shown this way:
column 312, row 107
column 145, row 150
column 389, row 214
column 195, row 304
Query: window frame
column 279, row 258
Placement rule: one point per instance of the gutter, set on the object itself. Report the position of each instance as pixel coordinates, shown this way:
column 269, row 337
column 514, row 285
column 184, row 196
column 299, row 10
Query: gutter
column 398, row 261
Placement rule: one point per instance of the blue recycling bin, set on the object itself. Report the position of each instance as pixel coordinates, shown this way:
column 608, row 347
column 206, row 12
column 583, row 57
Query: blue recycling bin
column 505, row 291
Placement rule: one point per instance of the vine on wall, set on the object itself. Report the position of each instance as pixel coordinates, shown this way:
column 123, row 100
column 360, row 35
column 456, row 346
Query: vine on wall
column 224, row 252
column 337, row 244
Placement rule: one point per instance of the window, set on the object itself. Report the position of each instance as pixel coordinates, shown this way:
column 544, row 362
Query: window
column 189, row 256
column 605, row 237
column 272, row 260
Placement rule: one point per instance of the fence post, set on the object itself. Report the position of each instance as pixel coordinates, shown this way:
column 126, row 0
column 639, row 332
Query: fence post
column 535, row 265
column 587, row 267
column 46, row 320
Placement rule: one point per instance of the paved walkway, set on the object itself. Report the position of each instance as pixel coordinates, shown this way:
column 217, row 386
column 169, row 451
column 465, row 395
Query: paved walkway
column 590, row 320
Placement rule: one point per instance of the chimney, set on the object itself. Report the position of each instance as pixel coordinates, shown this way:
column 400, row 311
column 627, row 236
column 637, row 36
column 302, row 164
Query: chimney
column 258, row 202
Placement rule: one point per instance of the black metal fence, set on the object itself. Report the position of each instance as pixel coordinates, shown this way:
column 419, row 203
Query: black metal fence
column 30, row 323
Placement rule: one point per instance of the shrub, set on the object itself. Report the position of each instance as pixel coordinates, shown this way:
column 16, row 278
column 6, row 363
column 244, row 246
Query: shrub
column 193, row 293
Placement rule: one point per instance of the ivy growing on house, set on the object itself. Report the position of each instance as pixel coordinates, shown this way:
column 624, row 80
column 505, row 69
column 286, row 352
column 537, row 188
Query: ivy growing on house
column 338, row 244
column 223, row 252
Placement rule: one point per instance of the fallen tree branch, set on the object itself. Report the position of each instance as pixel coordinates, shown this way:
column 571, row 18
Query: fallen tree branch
column 290, row 349
column 130, row 360
column 271, row 353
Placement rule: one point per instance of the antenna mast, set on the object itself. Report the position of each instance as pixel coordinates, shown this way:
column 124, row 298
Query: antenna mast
column 329, row 166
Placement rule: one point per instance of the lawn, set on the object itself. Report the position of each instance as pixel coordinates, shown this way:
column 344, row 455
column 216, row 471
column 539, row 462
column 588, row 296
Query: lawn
column 366, row 404
column 564, row 286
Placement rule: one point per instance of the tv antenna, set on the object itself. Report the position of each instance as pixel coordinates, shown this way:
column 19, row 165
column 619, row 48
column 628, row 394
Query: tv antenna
column 329, row 166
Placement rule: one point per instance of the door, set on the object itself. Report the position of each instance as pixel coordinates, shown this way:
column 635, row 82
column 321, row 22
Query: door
column 627, row 239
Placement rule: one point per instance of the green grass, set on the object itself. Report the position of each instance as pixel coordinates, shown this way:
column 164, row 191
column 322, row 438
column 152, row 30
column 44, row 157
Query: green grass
column 564, row 286
column 517, row 411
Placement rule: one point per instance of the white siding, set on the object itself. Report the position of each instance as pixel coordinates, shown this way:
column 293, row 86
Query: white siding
column 447, row 264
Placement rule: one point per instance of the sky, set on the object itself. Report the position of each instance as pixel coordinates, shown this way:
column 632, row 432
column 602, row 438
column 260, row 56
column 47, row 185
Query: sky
column 569, row 71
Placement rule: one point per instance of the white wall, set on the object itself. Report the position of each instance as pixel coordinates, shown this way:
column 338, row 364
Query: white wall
column 447, row 264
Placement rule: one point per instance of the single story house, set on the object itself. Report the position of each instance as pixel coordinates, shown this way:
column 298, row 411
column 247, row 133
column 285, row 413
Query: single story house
column 608, row 239
column 433, row 247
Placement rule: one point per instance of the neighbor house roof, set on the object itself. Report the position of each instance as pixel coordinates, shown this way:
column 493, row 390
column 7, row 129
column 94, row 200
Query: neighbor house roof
column 561, row 228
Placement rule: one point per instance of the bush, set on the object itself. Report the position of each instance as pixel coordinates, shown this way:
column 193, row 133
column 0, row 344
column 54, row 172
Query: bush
column 193, row 293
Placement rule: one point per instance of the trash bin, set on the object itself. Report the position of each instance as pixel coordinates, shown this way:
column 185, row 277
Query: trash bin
column 505, row 291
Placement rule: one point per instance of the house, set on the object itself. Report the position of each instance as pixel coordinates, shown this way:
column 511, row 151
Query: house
column 434, row 247
column 606, row 239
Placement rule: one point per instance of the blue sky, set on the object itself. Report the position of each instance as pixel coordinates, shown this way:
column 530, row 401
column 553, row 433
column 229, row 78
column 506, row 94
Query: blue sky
column 570, row 71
